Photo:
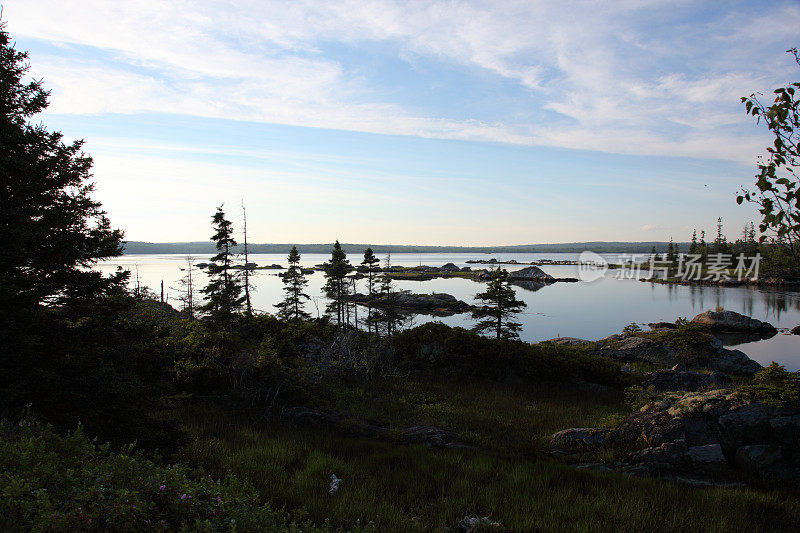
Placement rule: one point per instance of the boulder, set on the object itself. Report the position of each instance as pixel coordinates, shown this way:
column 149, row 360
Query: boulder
column 734, row 362
column 569, row 341
column 734, row 322
column 708, row 459
column 757, row 458
column 663, row 325
column 710, row 435
column 796, row 330
column 633, row 348
column 434, row 303
column 449, row 267
column 684, row 380
column 531, row 273
column 580, row 439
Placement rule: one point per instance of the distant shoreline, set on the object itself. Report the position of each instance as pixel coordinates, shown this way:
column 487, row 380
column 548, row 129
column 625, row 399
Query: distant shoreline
column 140, row 247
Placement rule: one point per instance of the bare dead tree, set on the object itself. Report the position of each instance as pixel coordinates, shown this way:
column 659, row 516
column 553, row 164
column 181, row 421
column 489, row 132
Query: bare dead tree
column 248, row 306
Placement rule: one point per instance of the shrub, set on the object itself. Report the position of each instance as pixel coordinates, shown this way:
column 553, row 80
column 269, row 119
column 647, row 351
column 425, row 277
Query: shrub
column 774, row 385
column 54, row 483
column 436, row 347
column 633, row 327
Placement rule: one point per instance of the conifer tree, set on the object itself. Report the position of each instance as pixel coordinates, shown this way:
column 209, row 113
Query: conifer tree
column 671, row 252
column 52, row 230
column 702, row 247
column 720, row 243
column 389, row 316
column 294, row 281
column 223, row 294
column 337, row 286
column 693, row 245
column 500, row 304
column 370, row 263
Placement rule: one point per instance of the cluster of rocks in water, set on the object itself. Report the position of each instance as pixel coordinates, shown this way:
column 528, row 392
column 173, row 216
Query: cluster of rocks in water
column 696, row 429
column 440, row 304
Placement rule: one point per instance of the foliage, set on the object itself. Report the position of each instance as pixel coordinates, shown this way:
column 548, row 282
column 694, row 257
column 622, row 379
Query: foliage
column 337, row 287
column 54, row 483
column 777, row 194
column 774, row 385
column 436, row 347
column 107, row 367
column 422, row 488
column 54, row 229
column 687, row 339
column 633, row 327
column 223, row 294
column 500, row 304
column 638, row 396
column 291, row 308
column 370, row 266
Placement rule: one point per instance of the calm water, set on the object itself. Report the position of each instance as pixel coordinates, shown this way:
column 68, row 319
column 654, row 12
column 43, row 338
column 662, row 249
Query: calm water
column 586, row 310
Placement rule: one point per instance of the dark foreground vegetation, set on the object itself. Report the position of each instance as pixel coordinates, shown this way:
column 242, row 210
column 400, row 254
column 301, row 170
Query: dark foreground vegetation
column 437, row 425
column 121, row 413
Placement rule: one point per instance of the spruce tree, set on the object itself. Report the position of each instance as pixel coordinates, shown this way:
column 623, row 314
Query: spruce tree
column 370, row 263
column 500, row 304
column 52, row 231
column 223, row 294
column 702, row 248
column 693, row 245
column 671, row 252
column 294, row 281
column 389, row 316
column 337, row 286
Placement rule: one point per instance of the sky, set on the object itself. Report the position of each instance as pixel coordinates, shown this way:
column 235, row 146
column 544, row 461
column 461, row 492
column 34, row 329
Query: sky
column 436, row 122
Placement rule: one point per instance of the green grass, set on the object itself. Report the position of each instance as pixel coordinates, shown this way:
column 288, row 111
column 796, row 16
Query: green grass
column 501, row 417
column 412, row 487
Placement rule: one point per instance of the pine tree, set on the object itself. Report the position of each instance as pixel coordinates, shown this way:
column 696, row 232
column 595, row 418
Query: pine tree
column 52, row 230
column 671, row 252
column 693, row 245
column 223, row 294
column 337, row 286
column 720, row 243
column 653, row 252
column 702, row 248
column 294, row 281
column 500, row 304
column 389, row 315
column 370, row 263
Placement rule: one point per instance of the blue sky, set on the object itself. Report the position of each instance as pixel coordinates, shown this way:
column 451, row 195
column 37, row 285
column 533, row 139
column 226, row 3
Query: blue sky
column 413, row 122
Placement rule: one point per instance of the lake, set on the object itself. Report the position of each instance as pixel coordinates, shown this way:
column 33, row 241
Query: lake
column 588, row 310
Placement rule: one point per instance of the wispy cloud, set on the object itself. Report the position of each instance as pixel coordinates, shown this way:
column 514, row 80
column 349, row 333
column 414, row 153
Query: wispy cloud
column 649, row 78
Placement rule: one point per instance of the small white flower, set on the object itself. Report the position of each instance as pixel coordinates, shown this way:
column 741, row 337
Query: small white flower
column 334, row 484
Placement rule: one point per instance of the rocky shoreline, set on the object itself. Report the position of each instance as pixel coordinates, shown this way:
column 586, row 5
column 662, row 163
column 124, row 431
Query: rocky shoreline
column 696, row 426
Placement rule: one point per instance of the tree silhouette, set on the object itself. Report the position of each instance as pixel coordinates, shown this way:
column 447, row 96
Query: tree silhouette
column 294, row 281
column 500, row 304
column 223, row 292
column 53, row 231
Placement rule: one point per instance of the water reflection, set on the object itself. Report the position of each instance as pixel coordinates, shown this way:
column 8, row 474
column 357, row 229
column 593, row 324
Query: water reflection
column 587, row 310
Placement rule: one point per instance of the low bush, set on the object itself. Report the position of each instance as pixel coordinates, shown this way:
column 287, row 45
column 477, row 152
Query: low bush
column 440, row 348
column 774, row 385
column 54, row 483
